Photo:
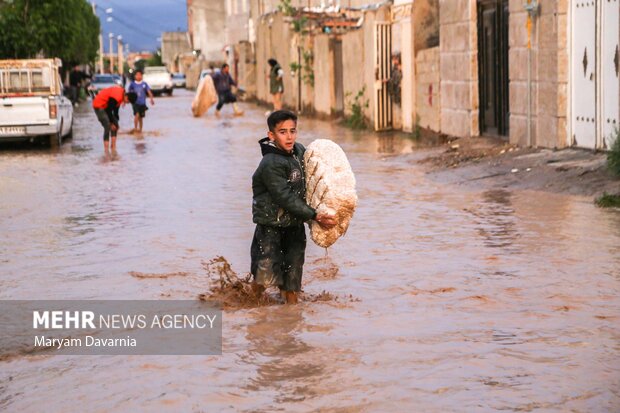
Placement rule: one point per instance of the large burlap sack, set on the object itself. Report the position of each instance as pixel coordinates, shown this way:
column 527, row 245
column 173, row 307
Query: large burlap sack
column 330, row 188
column 205, row 97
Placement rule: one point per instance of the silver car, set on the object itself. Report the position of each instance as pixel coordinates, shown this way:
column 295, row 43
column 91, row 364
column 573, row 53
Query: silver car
column 100, row 82
column 178, row 80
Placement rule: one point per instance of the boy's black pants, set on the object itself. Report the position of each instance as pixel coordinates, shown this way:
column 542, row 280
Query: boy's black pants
column 278, row 256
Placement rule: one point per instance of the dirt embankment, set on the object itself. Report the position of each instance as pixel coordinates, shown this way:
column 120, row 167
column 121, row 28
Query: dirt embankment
column 489, row 162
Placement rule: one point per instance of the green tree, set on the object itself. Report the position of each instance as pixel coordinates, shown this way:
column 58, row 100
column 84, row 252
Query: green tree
column 66, row 29
column 140, row 64
column 156, row 59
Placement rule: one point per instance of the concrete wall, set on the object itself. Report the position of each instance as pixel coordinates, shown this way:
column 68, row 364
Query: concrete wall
column 237, row 28
column 237, row 17
column 421, row 68
column 426, row 24
column 173, row 46
column 263, row 52
column 428, row 103
column 247, row 69
column 550, row 74
column 307, row 90
column 185, row 62
column 459, row 67
column 324, row 75
column 354, row 55
column 208, row 23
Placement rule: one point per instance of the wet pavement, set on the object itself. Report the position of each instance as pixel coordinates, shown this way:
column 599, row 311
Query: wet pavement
column 452, row 299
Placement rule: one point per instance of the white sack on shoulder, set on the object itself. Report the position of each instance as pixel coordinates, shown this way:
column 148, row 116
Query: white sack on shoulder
column 205, row 96
column 330, row 188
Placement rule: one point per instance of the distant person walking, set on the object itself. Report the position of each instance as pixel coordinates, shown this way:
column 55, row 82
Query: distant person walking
column 223, row 83
column 141, row 89
column 276, row 83
column 75, row 81
column 106, row 105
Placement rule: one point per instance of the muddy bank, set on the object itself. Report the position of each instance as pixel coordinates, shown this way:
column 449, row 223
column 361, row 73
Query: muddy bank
column 486, row 163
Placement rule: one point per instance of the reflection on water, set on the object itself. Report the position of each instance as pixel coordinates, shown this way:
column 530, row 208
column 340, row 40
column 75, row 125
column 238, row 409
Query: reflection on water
column 280, row 355
column 386, row 143
column 464, row 300
column 140, row 147
column 497, row 224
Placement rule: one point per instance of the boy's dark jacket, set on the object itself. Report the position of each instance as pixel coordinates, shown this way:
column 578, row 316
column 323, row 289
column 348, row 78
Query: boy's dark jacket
column 279, row 187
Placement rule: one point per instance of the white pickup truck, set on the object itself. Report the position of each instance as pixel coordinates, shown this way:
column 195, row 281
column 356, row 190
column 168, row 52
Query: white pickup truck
column 32, row 104
column 159, row 79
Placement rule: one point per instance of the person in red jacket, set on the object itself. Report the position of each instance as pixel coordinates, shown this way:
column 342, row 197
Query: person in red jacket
column 106, row 105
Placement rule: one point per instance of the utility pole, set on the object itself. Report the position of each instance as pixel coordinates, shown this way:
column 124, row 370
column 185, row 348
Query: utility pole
column 100, row 53
column 100, row 42
column 119, row 50
column 111, row 36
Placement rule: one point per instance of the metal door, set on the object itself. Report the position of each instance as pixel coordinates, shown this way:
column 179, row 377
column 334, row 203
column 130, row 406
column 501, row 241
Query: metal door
column 583, row 73
column 382, row 100
column 610, row 68
column 493, row 66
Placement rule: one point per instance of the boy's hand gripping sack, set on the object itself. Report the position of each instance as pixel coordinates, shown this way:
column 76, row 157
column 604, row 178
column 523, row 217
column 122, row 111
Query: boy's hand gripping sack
column 330, row 189
column 205, row 97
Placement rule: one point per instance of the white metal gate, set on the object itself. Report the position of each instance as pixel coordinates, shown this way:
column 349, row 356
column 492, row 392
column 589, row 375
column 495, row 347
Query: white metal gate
column 610, row 68
column 583, row 73
column 382, row 100
column 595, row 85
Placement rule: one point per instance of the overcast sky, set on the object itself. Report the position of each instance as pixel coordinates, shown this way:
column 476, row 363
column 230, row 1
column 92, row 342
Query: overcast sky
column 141, row 22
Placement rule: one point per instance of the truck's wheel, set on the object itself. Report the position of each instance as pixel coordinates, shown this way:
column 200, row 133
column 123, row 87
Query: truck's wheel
column 56, row 138
column 170, row 92
column 70, row 134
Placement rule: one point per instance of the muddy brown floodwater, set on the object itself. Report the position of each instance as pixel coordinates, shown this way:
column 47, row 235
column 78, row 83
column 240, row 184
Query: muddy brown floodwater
column 446, row 299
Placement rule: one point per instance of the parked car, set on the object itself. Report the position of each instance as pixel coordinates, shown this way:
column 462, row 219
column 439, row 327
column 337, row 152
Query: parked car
column 118, row 79
column 100, row 82
column 159, row 79
column 178, row 80
column 32, row 102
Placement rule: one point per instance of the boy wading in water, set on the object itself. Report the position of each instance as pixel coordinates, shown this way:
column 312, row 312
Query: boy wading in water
column 279, row 210
column 142, row 90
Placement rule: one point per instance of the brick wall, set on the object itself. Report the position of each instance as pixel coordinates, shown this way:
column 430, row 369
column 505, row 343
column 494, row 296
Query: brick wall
column 458, row 67
column 549, row 74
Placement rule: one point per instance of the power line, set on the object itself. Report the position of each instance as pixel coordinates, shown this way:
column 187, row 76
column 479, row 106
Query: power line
column 134, row 28
column 129, row 12
column 130, row 26
column 116, row 18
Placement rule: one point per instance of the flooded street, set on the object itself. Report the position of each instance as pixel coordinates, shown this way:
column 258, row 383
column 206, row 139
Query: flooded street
column 447, row 298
